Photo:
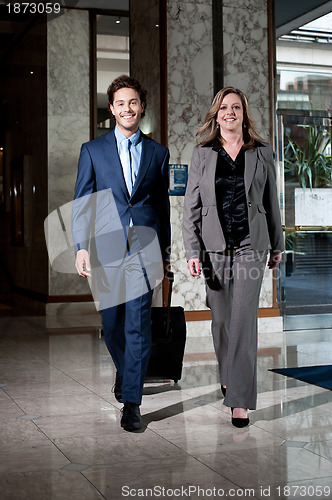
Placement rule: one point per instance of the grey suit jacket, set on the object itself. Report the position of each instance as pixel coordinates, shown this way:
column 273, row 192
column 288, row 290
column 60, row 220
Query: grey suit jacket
column 201, row 226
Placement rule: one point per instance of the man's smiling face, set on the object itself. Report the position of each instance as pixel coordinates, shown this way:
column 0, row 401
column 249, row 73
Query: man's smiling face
column 127, row 110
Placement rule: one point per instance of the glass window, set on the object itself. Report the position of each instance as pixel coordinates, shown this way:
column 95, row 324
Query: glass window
column 304, row 67
column 304, row 89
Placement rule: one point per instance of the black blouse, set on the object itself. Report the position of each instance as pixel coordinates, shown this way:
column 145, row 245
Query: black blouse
column 231, row 196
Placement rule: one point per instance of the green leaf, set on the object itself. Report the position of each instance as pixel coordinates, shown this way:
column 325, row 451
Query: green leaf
column 310, row 166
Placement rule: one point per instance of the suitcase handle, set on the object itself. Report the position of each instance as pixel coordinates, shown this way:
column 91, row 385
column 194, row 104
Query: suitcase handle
column 170, row 277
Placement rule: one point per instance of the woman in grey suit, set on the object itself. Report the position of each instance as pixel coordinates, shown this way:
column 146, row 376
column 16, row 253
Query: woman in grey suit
column 231, row 223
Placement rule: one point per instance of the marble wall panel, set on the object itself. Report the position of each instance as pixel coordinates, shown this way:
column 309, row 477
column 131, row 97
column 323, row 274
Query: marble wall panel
column 245, row 38
column 68, row 118
column 65, row 137
column 188, row 291
column 246, row 4
column 190, row 92
column 68, row 64
column 190, row 73
column 266, row 296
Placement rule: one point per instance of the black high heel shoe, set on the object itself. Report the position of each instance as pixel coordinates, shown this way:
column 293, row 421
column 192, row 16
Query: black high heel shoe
column 239, row 422
column 223, row 390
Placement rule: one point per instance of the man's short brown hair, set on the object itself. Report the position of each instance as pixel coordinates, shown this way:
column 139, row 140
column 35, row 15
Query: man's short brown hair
column 125, row 81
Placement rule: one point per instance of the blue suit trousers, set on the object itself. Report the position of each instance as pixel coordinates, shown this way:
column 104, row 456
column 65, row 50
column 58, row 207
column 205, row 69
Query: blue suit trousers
column 127, row 329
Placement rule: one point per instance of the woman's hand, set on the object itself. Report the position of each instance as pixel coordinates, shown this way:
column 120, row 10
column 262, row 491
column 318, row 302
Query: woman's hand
column 194, row 267
column 274, row 260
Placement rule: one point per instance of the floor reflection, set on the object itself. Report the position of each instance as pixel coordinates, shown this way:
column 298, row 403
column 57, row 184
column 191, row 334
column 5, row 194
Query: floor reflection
column 60, row 428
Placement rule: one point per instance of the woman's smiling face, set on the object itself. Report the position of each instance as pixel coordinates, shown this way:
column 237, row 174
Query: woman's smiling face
column 230, row 114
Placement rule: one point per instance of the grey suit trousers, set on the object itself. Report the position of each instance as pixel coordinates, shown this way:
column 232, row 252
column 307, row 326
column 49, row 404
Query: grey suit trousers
column 233, row 296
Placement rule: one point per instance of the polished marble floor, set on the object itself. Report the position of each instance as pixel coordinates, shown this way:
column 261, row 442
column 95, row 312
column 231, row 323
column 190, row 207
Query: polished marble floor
column 60, row 432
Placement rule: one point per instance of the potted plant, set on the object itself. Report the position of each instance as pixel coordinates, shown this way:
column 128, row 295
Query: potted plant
column 310, row 166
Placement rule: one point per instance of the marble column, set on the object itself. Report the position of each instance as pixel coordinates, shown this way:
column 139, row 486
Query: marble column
column 68, row 119
column 246, row 58
column 190, row 91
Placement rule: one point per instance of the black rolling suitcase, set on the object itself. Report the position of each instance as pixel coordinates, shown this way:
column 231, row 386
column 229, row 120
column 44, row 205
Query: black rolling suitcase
column 168, row 328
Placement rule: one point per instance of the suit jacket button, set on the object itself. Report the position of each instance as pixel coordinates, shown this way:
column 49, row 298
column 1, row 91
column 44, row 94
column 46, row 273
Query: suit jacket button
column 249, row 204
column 130, row 205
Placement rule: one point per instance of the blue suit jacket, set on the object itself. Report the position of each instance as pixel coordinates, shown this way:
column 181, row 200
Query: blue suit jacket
column 99, row 169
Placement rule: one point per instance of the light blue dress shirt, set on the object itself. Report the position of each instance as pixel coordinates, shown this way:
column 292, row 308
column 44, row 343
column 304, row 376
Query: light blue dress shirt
column 135, row 149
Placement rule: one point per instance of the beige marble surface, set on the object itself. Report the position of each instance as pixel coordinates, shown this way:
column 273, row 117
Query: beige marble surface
column 190, row 82
column 246, row 66
column 60, row 428
column 68, row 113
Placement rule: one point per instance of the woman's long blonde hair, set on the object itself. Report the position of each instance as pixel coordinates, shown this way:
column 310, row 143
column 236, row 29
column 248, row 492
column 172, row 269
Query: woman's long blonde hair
column 210, row 130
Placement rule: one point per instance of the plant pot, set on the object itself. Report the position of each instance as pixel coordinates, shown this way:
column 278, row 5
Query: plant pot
column 313, row 207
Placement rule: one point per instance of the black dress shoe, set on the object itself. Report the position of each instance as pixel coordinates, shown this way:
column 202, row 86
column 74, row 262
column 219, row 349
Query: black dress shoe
column 118, row 388
column 239, row 422
column 131, row 417
column 223, row 390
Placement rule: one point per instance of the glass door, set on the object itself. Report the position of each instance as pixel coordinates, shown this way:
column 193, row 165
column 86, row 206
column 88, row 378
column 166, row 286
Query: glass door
column 304, row 171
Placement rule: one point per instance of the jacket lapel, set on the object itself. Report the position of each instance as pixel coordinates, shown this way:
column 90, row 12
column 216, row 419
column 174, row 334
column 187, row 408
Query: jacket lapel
column 146, row 156
column 250, row 167
column 211, row 158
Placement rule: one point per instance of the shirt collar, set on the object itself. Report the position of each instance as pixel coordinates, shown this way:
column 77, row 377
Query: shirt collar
column 216, row 145
column 134, row 139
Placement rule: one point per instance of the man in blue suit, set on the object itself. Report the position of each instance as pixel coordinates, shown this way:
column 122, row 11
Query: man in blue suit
column 135, row 170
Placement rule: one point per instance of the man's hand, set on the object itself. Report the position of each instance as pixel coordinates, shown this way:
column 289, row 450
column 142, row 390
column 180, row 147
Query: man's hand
column 194, row 267
column 82, row 263
column 274, row 260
